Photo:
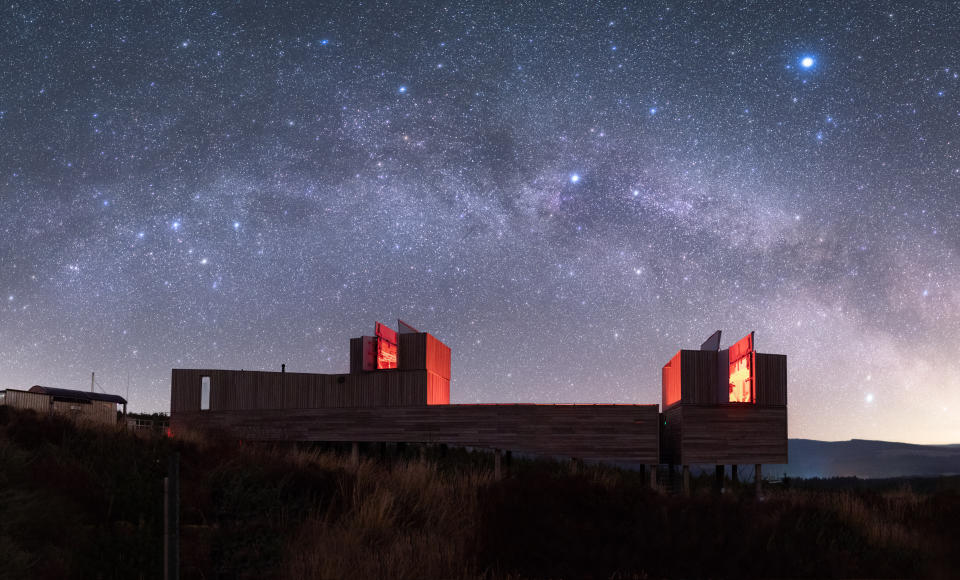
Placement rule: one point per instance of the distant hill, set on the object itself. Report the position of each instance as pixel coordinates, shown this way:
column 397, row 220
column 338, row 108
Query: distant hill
column 868, row 459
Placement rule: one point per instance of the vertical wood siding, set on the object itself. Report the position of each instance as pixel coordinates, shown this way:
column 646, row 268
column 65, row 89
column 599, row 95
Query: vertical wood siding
column 771, row 380
column 254, row 390
column 27, row 400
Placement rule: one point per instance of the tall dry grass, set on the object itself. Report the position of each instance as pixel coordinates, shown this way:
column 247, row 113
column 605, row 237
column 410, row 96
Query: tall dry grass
column 401, row 521
column 77, row 502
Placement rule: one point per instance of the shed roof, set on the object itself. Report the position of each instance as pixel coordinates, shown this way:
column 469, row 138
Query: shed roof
column 73, row 395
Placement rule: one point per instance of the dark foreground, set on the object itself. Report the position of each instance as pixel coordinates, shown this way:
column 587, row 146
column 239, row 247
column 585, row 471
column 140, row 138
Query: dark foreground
column 87, row 503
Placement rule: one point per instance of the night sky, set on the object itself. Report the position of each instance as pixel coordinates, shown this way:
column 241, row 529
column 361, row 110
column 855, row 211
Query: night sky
column 565, row 194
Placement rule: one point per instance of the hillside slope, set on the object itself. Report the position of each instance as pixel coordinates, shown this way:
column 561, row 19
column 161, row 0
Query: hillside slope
column 86, row 503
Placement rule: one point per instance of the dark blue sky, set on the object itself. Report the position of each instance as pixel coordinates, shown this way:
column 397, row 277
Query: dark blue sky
column 564, row 193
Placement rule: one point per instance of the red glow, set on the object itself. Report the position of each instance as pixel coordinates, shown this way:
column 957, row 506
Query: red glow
column 742, row 369
column 671, row 381
column 386, row 347
column 169, row 433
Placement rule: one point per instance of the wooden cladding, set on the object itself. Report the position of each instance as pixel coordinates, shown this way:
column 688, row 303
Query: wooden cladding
column 592, row 432
column 438, row 389
column 255, row 390
column 92, row 411
column 703, row 379
column 421, row 351
column 699, row 377
column 771, row 380
column 725, row 434
column 26, row 400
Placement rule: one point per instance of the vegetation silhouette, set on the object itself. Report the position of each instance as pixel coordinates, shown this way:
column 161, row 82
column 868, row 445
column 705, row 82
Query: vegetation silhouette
column 85, row 502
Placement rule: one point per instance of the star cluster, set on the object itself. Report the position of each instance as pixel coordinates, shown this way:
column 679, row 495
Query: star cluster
column 565, row 193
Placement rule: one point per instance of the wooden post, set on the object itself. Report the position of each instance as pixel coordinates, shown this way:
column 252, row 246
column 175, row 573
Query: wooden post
column 172, row 503
column 354, row 454
column 166, row 528
column 758, row 480
column 686, row 480
column 496, row 465
column 718, row 481
column 653, row 478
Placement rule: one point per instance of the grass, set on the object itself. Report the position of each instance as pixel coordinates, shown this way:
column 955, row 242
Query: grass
column 82, row 502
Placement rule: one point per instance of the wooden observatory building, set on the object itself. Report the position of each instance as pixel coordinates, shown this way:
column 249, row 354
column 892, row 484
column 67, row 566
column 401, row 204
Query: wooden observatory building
column 719, row 407
column 398, row 390
column 724, row 407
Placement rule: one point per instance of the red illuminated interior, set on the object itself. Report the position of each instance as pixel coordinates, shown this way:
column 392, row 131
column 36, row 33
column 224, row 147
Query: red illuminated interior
column 671, row 381
column 742, row 371
column 386, row 347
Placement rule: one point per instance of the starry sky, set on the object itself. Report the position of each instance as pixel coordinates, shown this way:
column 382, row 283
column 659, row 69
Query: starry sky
column 565, row 193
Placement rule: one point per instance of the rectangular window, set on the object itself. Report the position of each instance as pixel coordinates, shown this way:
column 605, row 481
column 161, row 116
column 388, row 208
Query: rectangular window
column 204, row 393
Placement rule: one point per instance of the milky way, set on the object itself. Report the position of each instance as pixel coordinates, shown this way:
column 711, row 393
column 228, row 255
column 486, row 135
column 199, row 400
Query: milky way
column 565, row 194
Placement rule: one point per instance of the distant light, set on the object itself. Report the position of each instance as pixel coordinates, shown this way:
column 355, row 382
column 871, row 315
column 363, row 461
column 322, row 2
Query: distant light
column 402, row 89
column 653, row 110
column 140, row 235
column 869, row 397
column 807, row 62
column 574, row 178
column 324, row 42
column 175, row 226
column 203, row 261
column 236, row 225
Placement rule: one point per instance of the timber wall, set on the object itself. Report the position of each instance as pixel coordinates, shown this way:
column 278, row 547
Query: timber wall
column 590, row 432
column 725, row 434
column 258, row 390
column 94, row 411
column 699, row 384
column 26, row 400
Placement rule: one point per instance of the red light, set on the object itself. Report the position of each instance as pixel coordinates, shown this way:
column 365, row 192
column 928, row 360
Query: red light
column 386, row 347
column 671, row 381
column 742, row 377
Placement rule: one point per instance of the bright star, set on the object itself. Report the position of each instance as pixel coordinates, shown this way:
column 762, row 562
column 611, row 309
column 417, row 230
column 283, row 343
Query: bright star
column 869, row 397
column 236, row 225
column 807, row 62
column 176, row 225
column 403, row 89
column 574, row 178
column 653, row 110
